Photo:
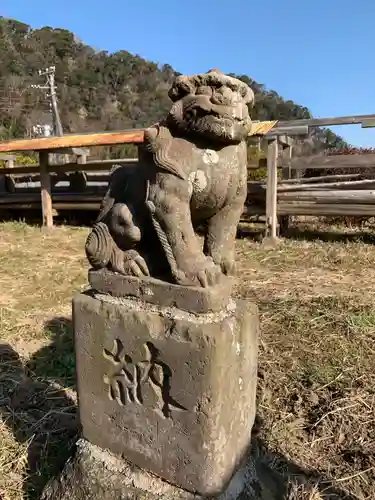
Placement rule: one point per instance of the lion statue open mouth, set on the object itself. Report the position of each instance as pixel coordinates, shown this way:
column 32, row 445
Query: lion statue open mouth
column 213, row 105
column 192, row 171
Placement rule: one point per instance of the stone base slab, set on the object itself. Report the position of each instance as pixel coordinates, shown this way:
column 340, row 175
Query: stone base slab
column 153, row 291
column 169, row 391
column 97, row 474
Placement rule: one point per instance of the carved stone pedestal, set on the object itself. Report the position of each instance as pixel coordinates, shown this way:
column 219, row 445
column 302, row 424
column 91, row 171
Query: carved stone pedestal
column 169, row 391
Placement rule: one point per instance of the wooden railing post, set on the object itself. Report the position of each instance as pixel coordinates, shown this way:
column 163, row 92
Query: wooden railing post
column 45, row 190
column 286, row 175
column 271, row 197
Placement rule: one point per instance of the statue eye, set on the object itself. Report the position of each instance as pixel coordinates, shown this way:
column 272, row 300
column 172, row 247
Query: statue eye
column 204, row 90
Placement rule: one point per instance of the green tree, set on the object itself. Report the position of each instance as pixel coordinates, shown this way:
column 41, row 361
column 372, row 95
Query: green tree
column 101, row 91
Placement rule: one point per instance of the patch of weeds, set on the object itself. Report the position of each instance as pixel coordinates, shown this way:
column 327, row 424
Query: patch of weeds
column 362, row 322
column 315, row 375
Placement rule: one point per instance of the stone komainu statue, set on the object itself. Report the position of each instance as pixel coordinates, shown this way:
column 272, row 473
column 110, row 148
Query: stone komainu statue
column 192, row 171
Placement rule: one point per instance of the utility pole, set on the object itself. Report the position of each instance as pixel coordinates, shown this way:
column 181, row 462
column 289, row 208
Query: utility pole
column 51, row 88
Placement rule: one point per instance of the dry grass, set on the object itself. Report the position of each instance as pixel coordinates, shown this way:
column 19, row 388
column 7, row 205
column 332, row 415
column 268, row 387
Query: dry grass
column 39, row 272
column 316, row 386
column 304, row 492
column 316, row 391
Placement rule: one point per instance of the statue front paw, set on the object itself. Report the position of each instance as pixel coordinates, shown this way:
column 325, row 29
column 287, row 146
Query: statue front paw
column 227, row 265
column 129, row 263
column 201, row 272
column 225, row 260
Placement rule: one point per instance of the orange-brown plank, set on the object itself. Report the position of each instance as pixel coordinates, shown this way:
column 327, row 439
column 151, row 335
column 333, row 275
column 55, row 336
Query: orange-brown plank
column 98, row 139
column 73, row 140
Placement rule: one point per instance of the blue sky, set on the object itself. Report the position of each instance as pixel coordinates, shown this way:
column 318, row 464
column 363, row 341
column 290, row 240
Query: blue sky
column 319, row 54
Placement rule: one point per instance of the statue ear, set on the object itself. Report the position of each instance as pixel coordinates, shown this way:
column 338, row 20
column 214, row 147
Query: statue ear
column 181, row 87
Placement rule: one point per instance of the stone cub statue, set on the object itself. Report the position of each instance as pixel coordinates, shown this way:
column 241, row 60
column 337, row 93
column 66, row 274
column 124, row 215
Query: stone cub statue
column 192, row 171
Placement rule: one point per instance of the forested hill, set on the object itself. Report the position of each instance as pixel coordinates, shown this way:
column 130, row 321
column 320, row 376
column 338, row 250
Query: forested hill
column 98, row 90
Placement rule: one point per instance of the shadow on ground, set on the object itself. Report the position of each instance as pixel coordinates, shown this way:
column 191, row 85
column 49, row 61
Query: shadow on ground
column 330, row 236
column 56, row 361
column 39, row 410
column 36, row 406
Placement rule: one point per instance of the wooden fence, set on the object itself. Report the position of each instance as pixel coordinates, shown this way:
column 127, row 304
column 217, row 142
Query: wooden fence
column 72, row 186
column 49, row 196
column 77, row 187
column 343, row 194
column 277, row 203
column 81, row 185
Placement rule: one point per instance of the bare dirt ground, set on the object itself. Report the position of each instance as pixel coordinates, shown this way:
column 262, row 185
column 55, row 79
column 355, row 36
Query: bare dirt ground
column 315, row 425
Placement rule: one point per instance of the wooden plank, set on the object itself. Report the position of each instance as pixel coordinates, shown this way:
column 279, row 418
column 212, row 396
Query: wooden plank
column 286, row 162
column 365, row 183
column 32, row 178
column 114, row 161
column 258, row 190
column 368, row 123
column 71, row 151
column 80, row 151
column 336, row 161
column 7, row 157
column 271, row 199
column 21, row 206
column 326, row 122
column 73, row 140
column 330, row 197
column 24, row 170
column 45, row 183
column 136, row 135
column 56, row 206
column 322, row 178
column 77, row 206
column 318, row 209
column 314, row 210
column 332, row 166
column 288, row 130
column 34, row 197
column 286, row 174
column 92, row 166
